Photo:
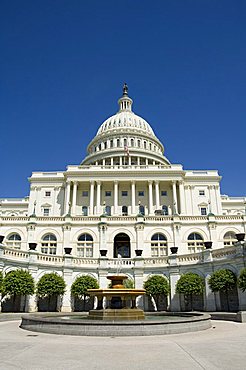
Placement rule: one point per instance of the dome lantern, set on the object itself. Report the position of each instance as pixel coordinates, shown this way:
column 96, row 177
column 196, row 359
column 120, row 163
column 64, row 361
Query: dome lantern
column 125, row 103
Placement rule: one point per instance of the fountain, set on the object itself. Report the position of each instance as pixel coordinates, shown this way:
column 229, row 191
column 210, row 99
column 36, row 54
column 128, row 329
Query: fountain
column 120, row 301
column 116, row 314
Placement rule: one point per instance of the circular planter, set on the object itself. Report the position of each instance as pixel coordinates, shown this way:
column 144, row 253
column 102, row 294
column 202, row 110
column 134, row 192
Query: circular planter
column 174, row 250
column 208, row 245
column 1, row 238
column 103, row 252
column 68, row 250
column 240, row 237
column 32, row 246
column 138, row 252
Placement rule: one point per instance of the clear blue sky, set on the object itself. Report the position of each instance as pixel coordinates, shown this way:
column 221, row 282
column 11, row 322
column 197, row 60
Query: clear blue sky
column 63, row 64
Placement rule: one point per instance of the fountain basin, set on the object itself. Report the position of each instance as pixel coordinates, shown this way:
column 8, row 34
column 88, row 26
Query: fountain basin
column 80, row 325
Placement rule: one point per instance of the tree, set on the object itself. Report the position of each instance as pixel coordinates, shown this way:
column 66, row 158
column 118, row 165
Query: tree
column 242, row 280
column 80, row 286
column 50, row 285
column 223, row 280
column 157, row 286
column 18, row 283
column 1, row 282
column 190, row 284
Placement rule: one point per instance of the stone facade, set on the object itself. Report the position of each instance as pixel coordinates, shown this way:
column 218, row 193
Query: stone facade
column 124, row 196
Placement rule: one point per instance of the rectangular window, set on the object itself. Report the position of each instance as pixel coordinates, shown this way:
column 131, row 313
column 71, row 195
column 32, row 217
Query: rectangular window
column 201, row 192
column 46, row 211
column 203, row 211
column 107, row 193
column 141, row 193
column 124, row 193
column 163, row 193
column 85, row 193
column 48, row 193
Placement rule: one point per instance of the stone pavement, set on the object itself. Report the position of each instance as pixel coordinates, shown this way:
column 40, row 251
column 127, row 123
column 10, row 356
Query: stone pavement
column 222, row 347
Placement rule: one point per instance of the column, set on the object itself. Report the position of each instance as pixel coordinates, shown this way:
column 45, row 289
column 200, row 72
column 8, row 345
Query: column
column 218, row 199
column 175, row 210
column 65, row 304
column 182, row 197
column 133, row 186
column 174, row 276
column 98, row 197
column 67, row 197
column 157, row 194
column 75, row 187
column 91, row 198
column 116, row 184
column 150, row 197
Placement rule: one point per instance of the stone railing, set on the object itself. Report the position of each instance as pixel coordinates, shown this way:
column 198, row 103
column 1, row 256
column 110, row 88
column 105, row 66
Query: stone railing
column 16, row 254
column 156, row 261
column 47, row 258
column 189, row 258
column 84, row 261
column 124, row 262
column 225, row 252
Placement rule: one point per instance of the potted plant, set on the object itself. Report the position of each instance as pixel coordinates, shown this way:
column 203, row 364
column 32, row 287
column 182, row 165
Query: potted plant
column 103, row 252
column 1, row 238
column 240, row 237
column 138, row 252
column 68, row 250
column 208, row 245
column 32, row 246
column 174, row 250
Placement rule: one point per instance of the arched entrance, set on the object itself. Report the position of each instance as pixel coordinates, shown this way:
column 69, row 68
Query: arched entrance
column 122, row 246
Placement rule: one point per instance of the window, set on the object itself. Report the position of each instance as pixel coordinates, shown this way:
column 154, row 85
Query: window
column 118, row 143
column 165, row 210
column 124, row 193
column 229, row 239
column 46, row 211
column 158, row 245
column 139, row 143
column 203, row 211
column 85, row 245
column 141, row 193
column 48, row 193
column 163, row 193
column 132, row 142
column 195, row 243
column 108, row 210
column 107, row 193
column 85, row 211
column 85, row 193
column 111, row 143
column 14, row 241
column 124, row 211
column 105, row 145
column 49, row 244
column 125, row 142
column 201, row 192
column 141, row 210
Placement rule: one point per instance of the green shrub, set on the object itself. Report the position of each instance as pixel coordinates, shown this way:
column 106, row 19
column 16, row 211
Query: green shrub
column 157, row 286
column 50, row 284
column 222, row 280
column 18, row 282
column 242, row 280
column 82, row 284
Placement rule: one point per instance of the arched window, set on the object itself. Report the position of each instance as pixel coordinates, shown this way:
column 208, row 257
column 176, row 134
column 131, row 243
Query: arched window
column 139, row 143
column 14, row 241
column 132, row 142
column 111, row 143
column 105, row 145
column 124, row 211
column 85, row 245
column 145, row 145
column 195, row 243
column 165, row 210
column 158, row 245
column 118, row 143
column 49, row 244
column 108, row 210
column 85, row 211
column 229, row 239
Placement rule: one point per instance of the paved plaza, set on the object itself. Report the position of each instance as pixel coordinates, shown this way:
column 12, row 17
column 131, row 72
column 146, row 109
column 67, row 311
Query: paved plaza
column 222, row 347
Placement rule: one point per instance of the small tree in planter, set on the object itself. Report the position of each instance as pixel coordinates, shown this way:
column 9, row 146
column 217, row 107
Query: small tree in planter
column 81, row 285
column 157, row 286
column 18, row 283
column 190, row 284
column 242, row 280
column 223, row 280
column 51, row 286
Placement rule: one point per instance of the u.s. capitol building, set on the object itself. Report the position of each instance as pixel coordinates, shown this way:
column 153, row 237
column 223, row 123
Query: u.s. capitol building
column 124, row 199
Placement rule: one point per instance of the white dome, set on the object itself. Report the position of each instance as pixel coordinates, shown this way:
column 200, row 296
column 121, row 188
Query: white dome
column 123, row 120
